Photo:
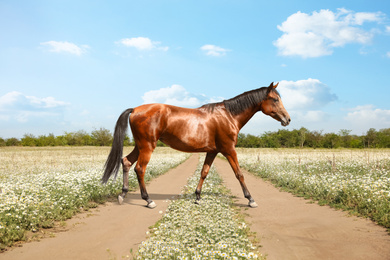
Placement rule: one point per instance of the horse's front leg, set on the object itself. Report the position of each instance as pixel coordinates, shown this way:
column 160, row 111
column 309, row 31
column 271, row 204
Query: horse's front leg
column 205, row 170
column 127, row 162
column 231, row 156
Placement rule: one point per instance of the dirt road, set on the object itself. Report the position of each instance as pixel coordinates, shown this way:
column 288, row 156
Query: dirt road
column 287, row 227
column 293, row 228
column 113, row 229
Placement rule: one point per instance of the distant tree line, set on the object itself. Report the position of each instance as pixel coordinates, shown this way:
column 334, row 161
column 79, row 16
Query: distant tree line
column 273, row 139
column 316, row 139
column 101, row 137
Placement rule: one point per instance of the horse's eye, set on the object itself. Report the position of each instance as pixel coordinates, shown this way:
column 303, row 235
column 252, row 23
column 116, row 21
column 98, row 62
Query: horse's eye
column 276, row 100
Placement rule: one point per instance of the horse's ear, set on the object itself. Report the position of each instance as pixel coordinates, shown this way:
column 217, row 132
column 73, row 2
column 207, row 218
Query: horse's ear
column 272, row 86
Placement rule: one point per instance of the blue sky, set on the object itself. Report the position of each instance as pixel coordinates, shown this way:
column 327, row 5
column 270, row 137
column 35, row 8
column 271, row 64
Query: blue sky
column 76, row 65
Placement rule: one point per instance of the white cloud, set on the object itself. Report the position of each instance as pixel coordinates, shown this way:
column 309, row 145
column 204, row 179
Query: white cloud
column 48, row 102
column 176, row 95
column 362, row 17
column 368, row 116
column 142, row 43
column 8, row 99
column 212, row 50
column 388, row 54
column 55, row 46
column 313, row 116
column 305, row 95
column 306, row 101
column 317, row 34
column 22, row 108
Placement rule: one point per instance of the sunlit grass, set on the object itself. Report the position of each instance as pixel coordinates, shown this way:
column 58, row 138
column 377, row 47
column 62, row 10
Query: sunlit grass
column 356, row 180
column 39, row 186
column 211, row 230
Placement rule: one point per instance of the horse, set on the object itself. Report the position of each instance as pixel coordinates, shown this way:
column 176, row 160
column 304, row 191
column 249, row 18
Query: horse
column 212, row 128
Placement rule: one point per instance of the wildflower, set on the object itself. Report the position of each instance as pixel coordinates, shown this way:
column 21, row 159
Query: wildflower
column 198, row 227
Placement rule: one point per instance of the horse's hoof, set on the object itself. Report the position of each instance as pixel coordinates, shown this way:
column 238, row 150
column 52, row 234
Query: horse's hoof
column 253, row 204
column 152, row 205
column 197, row 202
column 120, row 200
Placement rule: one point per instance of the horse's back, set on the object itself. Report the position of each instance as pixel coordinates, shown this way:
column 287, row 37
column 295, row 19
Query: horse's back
column 184, row 129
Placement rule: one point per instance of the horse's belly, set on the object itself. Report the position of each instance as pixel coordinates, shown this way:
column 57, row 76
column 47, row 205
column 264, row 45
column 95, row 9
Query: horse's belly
column 189, row 143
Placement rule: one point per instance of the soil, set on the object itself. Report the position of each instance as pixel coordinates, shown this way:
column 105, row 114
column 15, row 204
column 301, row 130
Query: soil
column 286, row 226
column 111, row 231
column 290, row 228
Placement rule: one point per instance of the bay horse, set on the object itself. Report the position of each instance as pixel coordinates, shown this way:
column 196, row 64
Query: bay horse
column 212, row 128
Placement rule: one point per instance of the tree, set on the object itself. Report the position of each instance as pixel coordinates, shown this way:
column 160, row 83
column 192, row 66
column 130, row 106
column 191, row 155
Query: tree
column 287, row 138
column 102, row 137
column 302, row 136
column 345, row 137
column 331, row 140
column 356, row 142
column 370, row 138
column 248, row 140
column 383, row 137
column 271, row 140
column 314, row 139
column 127, row 141
column 28, row 140
column 79, row 138
column 12, row 142
column 49, row 140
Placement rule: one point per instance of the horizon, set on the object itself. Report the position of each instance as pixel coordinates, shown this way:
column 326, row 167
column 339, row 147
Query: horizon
column 129, row 134
column 71, row 66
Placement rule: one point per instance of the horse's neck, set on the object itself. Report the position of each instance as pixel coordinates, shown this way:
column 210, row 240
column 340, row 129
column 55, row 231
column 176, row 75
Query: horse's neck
column 244, row 117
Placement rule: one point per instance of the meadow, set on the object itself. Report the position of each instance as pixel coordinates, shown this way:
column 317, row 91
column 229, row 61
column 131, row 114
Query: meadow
column 212, row 230
column 355, row 180
column 39, row 186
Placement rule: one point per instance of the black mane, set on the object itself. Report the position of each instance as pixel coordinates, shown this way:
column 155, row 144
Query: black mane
column 243, row 101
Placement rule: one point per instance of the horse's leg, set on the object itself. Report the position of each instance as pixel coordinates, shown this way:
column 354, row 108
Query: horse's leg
column 231, row 156
column 205, row 170
column 140, row 168
column 127, row 162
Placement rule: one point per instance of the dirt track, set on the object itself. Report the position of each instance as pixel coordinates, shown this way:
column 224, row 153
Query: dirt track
column 288, row 227
column 293, row 228
column 113, row 229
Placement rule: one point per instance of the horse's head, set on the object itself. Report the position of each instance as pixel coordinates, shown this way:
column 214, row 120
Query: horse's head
column 273, row 106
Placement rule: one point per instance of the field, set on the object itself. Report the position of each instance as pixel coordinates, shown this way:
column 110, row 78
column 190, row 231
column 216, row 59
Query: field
column 355, row 180
column 211, row 230
column 39, row 186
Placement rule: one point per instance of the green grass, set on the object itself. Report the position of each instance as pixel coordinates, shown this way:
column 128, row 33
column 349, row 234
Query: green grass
column 39, row 186
column 211, row 230
column 354, row 180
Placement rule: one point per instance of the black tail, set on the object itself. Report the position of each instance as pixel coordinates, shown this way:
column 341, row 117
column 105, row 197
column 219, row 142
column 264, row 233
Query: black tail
column 115, row 157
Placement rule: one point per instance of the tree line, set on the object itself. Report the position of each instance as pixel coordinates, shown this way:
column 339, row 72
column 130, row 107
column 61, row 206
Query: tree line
column 100, row 137
column 273, row 139
column 316, row 139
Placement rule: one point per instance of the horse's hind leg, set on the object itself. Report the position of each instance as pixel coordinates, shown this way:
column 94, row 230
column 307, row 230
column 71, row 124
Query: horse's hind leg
column 140, row 169
column 127, row 162
column 205, row 170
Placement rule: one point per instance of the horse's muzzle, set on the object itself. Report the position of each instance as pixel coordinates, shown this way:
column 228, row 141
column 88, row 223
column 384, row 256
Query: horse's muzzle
column 285, row 121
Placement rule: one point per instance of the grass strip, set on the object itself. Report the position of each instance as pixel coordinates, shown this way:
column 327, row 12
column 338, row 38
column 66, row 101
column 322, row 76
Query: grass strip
column 353, row 180
column 34, row 199
column 211, row 230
